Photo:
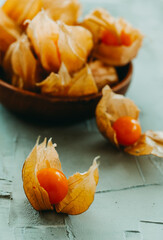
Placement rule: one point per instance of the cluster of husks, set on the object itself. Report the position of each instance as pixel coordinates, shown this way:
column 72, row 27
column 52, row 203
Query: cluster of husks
column 38, row 38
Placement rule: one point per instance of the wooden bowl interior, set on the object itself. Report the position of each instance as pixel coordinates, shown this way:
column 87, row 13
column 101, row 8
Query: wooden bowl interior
column 36, row 106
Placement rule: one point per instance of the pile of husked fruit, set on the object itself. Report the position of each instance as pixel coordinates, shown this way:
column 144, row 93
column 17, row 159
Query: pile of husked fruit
column 44, row 48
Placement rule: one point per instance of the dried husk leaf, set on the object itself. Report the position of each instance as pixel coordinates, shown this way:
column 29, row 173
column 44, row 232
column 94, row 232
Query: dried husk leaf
column 111, row 107
column 19, row 11
column 9, row 31
column 56, row 84
column 21, row 65
column 62, row 84
column 100, row 20
column 81, row 191
column 55, row 42
column 149, row 143
column 67, row 11
column 103, row 74
column 42, row 156
column 83, row 83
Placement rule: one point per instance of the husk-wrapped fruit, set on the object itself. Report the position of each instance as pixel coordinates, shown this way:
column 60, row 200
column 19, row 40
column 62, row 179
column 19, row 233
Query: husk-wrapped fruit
column 116, row 41
column 117, row 120
column 44, row 188
column 56, row 42
column 20, row 65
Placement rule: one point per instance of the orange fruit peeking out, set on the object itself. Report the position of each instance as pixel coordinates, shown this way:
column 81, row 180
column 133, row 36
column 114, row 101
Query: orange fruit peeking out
column 112, row 39
column 127, row 129
column 54, row 182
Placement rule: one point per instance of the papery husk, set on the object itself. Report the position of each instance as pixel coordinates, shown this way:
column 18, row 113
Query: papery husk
column 56, row 42
column 81, row 191
column 61, row 84
column 42, row 156
column 111, row 107
column 75, row 44
column 117, row 56
column 99, row 21
column 44, row 33
column 67, row 11
column 20, row 65
column 9, row 31
column 151, row 142
column 56, row 84
column 103, row 74
column 83, row 84
column 21, row 10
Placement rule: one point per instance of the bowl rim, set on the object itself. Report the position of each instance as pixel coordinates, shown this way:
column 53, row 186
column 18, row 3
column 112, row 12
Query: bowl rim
column 126, row 80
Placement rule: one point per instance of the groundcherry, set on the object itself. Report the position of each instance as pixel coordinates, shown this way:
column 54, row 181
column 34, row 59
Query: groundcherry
column 127, row 129
column 54, row 182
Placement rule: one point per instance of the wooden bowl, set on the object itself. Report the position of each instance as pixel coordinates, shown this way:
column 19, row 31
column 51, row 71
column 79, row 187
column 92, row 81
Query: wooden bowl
column 36, row 106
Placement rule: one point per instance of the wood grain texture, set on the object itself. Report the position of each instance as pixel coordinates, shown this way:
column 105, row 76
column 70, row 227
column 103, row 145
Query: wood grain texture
column 128, row 202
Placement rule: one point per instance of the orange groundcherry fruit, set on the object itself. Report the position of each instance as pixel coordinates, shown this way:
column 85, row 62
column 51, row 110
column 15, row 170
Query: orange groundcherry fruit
column 110, row 38
column 54, row 182
column 127, row 129
column 126, row 38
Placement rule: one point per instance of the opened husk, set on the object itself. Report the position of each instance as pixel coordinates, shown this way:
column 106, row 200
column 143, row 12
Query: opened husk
column 9, row 31
column 67, row 11
column 81, row 186
column 151, row 142
column 81, row 191
column 97, row 22
column 111, row 107
column 62, row 84
column 42, row 156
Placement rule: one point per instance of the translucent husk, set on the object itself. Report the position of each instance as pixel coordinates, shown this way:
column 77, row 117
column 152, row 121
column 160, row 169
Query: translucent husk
column 151, row 142
column 110, row 108
column 42, row 156
column 55, row 42
column 75, row 44
column 81, row 191
column 62, row 84
column 81, row 186
column 9, row 31
column 21, row 10
column 43, row 33
column 67, row 11
column 97, row 22
column 20, row 65
column 103, row 74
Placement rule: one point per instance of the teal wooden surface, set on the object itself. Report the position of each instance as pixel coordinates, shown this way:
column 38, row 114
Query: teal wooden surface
column 128, row 203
